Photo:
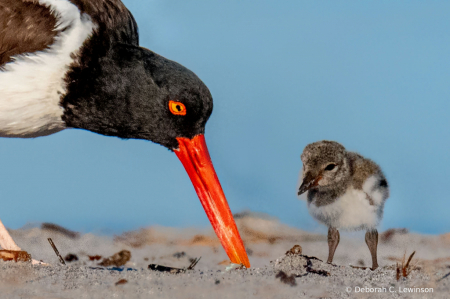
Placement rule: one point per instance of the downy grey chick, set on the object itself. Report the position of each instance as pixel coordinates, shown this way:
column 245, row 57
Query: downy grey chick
column 344, row 190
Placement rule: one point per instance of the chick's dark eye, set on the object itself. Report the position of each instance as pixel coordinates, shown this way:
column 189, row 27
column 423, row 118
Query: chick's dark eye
column 330, row 167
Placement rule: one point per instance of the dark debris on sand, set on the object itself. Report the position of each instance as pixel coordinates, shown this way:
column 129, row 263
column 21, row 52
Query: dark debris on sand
column 118, row 259
column 71, row 257
column 16, row 256
column 286, row 279
column 94, row 257
column 122, row 281
column 172, row 270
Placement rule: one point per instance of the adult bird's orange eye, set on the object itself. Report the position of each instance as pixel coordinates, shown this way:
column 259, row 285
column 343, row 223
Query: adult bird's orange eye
column 177, row 108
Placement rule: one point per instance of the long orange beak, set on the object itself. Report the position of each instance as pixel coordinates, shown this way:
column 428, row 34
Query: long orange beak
column 194, row 155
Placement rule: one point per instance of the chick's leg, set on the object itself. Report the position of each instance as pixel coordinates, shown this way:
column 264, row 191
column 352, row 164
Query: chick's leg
column 372, row 243
column 333, row 241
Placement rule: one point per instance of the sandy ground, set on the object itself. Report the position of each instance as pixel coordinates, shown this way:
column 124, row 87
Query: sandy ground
column 273, row 274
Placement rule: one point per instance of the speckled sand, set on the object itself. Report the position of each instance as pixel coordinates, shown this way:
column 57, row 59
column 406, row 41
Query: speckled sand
column 267, row 241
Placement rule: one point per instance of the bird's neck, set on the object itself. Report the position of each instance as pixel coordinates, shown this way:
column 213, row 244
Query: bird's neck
column 103, row 92
column 325, row 195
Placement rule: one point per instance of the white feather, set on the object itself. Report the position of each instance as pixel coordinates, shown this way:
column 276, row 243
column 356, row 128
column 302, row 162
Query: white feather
column 375, row 193
column 353, row 211
column 31, row 86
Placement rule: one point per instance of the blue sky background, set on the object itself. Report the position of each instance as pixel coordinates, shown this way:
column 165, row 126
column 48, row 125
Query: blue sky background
column 373, row 75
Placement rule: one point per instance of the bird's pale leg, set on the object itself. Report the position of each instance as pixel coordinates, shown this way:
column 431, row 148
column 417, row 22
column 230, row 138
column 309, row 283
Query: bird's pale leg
column 6, row 242
column 372, row 243
column 14, row 252
column 333, row 241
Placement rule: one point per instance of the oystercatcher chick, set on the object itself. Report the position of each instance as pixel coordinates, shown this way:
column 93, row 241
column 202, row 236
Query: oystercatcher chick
column 345, row 191
column 78, row 64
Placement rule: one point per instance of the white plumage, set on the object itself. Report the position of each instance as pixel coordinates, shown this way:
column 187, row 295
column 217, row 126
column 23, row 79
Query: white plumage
column 352, row 210
column 31, row 86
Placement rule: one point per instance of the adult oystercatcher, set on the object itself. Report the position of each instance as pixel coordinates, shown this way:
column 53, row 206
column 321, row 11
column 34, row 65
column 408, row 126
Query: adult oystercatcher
column 344, row 190
column 78, row 64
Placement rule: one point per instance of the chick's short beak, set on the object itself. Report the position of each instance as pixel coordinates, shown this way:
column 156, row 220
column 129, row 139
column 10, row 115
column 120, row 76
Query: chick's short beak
column 309, row 181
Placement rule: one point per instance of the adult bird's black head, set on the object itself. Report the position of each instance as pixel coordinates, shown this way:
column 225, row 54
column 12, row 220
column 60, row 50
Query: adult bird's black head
column 112, row 86
column 136, row 93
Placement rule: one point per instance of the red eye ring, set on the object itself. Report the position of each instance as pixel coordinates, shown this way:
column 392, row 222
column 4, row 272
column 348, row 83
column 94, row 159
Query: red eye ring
column 177, row 108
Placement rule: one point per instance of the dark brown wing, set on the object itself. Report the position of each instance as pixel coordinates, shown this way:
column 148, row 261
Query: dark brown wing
column 25, row 27
column 362, row 169
column 115, row 22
